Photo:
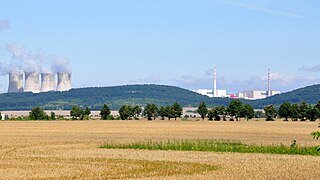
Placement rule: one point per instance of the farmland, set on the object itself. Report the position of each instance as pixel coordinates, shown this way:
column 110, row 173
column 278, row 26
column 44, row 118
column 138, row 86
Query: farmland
column 70, row 149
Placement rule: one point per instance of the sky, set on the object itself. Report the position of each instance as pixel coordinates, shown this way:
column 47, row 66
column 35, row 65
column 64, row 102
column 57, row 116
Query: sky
column 119, row 42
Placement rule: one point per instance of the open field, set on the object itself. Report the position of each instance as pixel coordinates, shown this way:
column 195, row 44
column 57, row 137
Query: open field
column 69, row 149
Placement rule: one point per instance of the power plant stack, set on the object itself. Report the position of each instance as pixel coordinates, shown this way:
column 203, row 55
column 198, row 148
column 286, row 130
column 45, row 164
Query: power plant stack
column 15, row 82
column 64, row 81
column 32, row 82
column 269, row 82
column 48, row 82
column 215, row 82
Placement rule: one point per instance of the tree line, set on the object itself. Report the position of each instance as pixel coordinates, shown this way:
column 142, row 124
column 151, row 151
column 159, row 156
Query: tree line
column 234, row 111
column 295, row 112
column 237, row 110
column 151, row 111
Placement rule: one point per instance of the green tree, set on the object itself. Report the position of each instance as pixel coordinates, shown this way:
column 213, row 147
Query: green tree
column 53, row 116
column 76, row 112
column 125, row 112
column 317, row 110
column 37, row 114
column 235, row 109
column 285, row 110
column 248, row 111
column 170, row 112
column 221, row 110
column 294, row 112
column 87, row 111
column 216, row 113
column 202, row 110
column 177, row 110
column 105, row 112
column 270, row 112
column 163, row 112
column 151, row 111
column 312, row 113
column 303, row 111
column 136, row 111
column 0, row 116
column 211, row 114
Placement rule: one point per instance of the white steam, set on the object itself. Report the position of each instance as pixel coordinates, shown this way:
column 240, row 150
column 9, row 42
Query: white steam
column 4, row 24
column 23, row 60
column 60, row 64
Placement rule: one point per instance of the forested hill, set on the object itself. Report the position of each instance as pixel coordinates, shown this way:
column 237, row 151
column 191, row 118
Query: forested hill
column 309, row 94
column 117, row 96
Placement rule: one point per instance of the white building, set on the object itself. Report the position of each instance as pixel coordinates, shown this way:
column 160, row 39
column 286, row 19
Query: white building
column 205, row 92
column 256, row 94
column 209, row 93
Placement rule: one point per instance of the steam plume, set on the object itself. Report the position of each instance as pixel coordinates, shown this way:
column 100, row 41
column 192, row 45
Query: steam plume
column 33, row 61
column 4, row 24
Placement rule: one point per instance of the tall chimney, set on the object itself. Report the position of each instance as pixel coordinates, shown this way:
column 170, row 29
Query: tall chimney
column 64, row 82
column 32, row 83
column 15, row 82
column 269, row 82
column 215, row 81
column 48, row 82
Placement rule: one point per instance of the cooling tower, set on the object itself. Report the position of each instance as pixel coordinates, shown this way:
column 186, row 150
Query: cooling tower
column 15, row 82
column 64, row 82
column 32, row 83
column 48, row 82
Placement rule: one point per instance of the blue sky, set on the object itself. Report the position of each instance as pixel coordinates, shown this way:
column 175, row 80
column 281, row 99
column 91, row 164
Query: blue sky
column 173, row 42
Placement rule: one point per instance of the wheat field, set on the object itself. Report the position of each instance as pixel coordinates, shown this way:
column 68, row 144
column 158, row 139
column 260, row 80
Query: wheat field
column 69, row 150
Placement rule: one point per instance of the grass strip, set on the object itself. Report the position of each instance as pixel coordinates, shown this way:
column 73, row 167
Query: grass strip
column 214, row 146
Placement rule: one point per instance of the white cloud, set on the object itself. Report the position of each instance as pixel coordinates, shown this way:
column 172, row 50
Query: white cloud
column 315, row 68
column 265, row 10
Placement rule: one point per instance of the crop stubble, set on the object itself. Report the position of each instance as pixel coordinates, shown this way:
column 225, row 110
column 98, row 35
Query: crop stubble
column 68, row 149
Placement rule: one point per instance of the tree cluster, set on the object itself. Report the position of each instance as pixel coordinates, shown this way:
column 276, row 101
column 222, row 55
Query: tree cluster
column 38, row 113
column 128, row 112
column 151, row 111
column 236, row 110
column 173, row 111
column 295, row 112
column 77, row 112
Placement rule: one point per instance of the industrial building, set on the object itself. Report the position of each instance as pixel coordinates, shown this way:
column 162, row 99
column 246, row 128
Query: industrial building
column 32, row 82
column 250, row 94
column 215, row 92
column 256, row 94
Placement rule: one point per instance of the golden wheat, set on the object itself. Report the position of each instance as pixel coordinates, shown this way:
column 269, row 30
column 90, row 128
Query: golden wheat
column 69, row 149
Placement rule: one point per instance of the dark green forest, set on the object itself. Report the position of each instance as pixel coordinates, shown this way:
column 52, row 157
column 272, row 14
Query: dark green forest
column 140, row 95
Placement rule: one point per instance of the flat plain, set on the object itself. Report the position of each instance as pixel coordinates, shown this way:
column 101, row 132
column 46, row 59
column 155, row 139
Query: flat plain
column 70, row 150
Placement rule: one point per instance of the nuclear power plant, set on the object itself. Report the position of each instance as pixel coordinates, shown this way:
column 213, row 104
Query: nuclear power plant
column 249, row 94
column 33, row 84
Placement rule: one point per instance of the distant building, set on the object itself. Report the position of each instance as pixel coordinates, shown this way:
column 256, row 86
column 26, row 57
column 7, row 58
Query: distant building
column 205, row 92
column 256, row 94
column 209, row 93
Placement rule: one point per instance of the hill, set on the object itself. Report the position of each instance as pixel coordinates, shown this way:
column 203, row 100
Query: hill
column 140, row 95
column 309, row 94
column 114, row 96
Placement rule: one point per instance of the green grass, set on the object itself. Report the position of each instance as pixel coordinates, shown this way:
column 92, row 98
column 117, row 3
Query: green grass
column 214, row 146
